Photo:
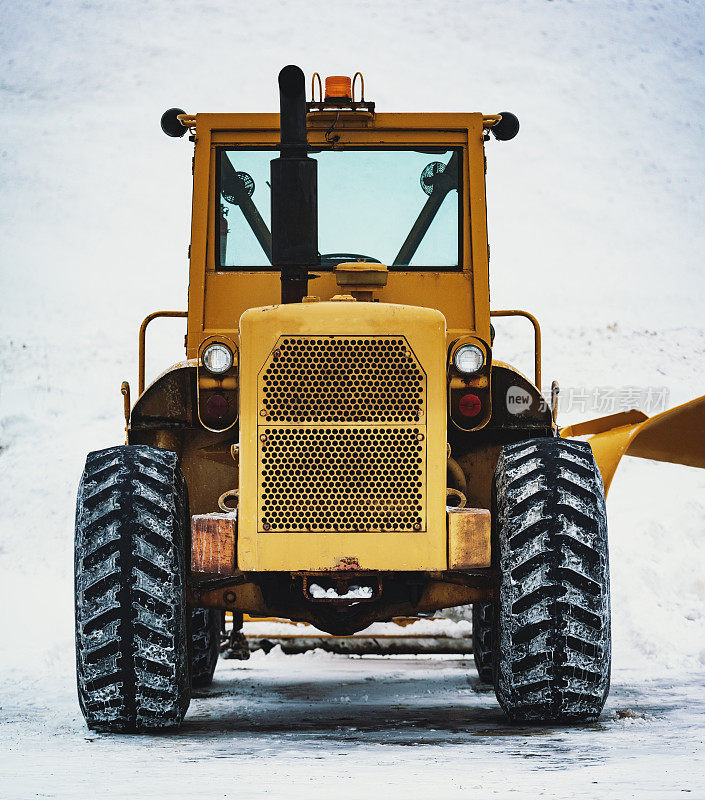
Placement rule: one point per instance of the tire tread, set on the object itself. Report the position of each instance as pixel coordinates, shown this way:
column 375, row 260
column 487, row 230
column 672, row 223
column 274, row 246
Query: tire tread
column 552, row 626
column 131, row 663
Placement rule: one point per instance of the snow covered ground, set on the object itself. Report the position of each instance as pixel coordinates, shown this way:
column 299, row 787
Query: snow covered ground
column 317, row 725
column 596, row 226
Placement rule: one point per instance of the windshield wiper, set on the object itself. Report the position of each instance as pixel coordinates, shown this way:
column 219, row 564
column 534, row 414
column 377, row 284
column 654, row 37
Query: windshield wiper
column 249, row 210
column 444, row 182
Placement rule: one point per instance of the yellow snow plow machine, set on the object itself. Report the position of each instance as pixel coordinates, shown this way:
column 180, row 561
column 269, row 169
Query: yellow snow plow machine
column 339, row 447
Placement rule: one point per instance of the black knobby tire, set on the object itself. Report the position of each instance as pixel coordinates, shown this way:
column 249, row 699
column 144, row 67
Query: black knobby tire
column 206, row 624
column 131, row 626
column 552, row 629
column 482, row 624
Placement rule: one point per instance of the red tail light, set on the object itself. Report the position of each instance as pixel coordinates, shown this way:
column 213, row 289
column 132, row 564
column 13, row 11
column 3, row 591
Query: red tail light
column 216, row 406
column 470, row 405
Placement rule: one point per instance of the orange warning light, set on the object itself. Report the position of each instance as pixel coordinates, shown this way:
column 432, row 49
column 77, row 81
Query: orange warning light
column 338, row 87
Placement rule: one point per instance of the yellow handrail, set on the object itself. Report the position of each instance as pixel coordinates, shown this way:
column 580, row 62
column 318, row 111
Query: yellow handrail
column 537, row 338
column 143, row 332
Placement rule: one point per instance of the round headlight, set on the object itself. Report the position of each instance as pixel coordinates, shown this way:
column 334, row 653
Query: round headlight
column 217, row 358
column 469, row 359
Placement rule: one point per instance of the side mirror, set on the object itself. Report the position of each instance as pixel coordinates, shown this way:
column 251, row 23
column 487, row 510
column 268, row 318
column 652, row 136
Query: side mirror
column 507, row 128
column 171, row 124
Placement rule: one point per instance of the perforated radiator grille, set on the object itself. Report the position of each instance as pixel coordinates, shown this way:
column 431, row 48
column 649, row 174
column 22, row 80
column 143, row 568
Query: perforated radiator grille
column 342, row 478
column 341, row 432
column 310, row 379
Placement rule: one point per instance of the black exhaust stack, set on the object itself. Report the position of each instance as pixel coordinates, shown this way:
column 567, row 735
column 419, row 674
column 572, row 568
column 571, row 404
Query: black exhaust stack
column 294, row 181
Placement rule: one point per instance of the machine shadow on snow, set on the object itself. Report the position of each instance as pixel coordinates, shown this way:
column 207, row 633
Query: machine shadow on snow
column 243, row 711
column 372, row 713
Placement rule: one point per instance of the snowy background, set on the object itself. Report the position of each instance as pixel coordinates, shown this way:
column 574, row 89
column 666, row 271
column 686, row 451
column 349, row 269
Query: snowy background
column 596, row 221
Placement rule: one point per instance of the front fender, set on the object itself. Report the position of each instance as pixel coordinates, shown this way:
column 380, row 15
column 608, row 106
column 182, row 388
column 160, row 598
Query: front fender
column 169, row 401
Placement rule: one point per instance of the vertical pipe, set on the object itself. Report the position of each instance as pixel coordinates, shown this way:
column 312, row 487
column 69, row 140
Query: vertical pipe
column 294, row 181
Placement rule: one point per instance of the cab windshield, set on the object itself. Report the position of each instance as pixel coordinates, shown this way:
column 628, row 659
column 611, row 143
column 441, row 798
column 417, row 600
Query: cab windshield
column 399, row 207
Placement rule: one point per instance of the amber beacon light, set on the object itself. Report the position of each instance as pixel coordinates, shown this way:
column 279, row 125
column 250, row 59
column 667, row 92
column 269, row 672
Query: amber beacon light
column 339, row 94
column 338, row 87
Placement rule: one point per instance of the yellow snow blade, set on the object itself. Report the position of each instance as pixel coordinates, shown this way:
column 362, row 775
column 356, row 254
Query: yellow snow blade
column 677, row 435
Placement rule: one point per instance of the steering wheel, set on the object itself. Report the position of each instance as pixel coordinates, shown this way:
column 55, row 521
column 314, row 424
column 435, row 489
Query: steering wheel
column 333, row 259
